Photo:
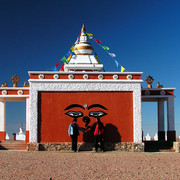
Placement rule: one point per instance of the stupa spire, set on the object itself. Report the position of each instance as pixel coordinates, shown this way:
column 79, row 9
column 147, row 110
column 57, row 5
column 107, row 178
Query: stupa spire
column 83, row 28
column 83, row 47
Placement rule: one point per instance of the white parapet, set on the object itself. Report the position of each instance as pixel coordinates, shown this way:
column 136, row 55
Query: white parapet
column 83, row 62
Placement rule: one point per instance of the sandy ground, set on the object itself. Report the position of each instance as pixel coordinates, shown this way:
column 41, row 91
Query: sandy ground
column 88, row 165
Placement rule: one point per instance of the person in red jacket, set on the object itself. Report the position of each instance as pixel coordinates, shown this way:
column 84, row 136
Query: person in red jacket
column 98, row 129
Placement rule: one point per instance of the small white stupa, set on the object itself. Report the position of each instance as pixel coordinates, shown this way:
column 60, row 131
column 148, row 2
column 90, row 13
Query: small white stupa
column 148, row 137
column 83, row 60
column 7, row 136
column 156, row 137
column 21, row 136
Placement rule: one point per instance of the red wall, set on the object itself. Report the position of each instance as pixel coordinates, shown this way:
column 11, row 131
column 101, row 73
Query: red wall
column 53, row 123
column 2, row 135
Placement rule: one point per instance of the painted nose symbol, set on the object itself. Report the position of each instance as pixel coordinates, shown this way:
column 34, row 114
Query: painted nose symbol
column 86, row 120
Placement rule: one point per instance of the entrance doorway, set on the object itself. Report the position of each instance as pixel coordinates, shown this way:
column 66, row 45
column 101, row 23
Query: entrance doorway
column 149, row 119
column 15, row 118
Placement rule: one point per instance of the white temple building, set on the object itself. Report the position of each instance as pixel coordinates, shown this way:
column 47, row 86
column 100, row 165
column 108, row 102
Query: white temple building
column 85, row 89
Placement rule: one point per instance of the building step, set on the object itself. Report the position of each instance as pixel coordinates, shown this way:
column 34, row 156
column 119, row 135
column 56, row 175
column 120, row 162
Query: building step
column 158, row 146
column 13, row 145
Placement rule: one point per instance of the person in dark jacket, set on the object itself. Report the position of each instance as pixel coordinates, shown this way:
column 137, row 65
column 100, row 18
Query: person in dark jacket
column 98, row 129
column 73, row 131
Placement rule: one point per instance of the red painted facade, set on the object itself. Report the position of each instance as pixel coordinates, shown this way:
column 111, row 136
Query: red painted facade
column 27, row 136
column 53, row 123
column 2, row 135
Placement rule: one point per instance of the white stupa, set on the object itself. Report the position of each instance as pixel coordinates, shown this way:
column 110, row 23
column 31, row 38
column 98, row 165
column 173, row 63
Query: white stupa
column 83, row 60
column 156, row 137
column 148, row 137
column 7, row 136
column 21, row 136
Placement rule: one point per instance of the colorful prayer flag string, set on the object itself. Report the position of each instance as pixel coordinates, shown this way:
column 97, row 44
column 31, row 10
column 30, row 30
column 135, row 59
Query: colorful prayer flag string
column 112, row 54
column 57, row 64
column 62, row 67
column 54, row 68
column 98, row 41
column 68, row 59
column 122, row 69
column 117, row 64
column 90, row 36
column 64, row 59
column 106, row 48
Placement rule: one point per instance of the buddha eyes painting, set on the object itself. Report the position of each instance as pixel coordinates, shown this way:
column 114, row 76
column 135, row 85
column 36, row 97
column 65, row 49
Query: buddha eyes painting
column 86, row 119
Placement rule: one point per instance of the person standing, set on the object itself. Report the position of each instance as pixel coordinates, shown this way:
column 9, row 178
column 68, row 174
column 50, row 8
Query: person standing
column 73, row 131
column 98, row 129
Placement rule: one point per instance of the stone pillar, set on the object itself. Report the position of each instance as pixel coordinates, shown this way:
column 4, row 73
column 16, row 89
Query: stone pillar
column 171, row 133
column 27, row 120
column 161, row 132
column 2, row 120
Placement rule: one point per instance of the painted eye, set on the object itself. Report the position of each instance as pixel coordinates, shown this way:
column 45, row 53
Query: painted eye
column 74, row 114
column 97, row 114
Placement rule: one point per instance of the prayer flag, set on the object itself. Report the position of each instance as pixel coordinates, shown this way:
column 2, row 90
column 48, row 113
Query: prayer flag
column 83, row 33
column 72, row 48
column 122, row 69
column 112, row 55
column 76, row 41
column 69, row 57
column 64, row 59
column 57, row 64
column 62, row 67
column 68, row 54
column 117, row 64
column 54, row 68
column 98, row 41
column 90, row 35
column 105, row 48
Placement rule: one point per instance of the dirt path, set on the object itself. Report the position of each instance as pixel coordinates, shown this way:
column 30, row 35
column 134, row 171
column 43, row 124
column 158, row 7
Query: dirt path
column 88, row 165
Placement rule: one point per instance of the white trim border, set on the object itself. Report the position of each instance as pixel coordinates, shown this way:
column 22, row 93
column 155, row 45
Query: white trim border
column 134, row 87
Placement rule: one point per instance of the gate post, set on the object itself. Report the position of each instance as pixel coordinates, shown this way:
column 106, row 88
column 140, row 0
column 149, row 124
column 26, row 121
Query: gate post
column 2, row 120
column 27, row 120
column 171, row 133
column 161, row 132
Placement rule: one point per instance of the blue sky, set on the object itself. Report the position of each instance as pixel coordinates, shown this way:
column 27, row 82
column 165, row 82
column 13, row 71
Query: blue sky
column 144, row 34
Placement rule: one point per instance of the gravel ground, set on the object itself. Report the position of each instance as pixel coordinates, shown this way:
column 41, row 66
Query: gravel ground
column 88, row 165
